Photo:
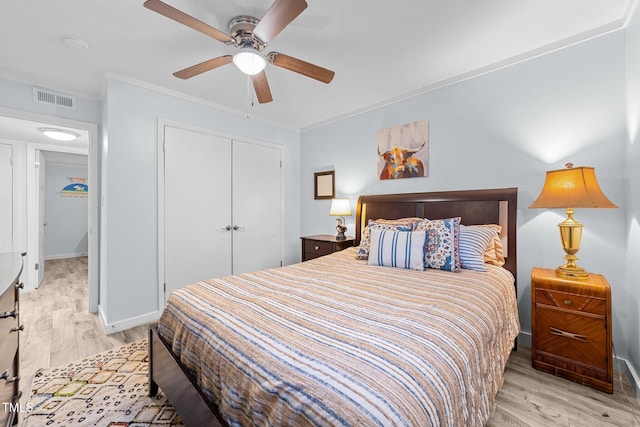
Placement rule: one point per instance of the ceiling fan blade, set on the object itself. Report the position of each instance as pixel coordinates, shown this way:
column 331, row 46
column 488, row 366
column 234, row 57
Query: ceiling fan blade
column 261, row 87
column 200, row 68
column 301, row 67
column 181, row 17
column 277, row 17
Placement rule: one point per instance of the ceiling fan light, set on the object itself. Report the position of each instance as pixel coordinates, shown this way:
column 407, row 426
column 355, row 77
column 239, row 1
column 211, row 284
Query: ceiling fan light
column 249, row 61
column 59, row 134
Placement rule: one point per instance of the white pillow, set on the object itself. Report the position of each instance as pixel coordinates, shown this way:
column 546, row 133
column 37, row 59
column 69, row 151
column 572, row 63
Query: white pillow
column 401, row 249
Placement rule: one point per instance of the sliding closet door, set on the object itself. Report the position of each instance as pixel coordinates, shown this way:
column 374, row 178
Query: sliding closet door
column 257, row 207
column 197, row 207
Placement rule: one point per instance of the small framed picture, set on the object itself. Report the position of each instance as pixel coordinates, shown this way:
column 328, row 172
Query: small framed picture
column 324, row 186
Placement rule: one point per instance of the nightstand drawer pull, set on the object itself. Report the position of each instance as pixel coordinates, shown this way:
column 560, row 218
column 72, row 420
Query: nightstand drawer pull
column 566, row 334
column 316, row 247
column 568, row 302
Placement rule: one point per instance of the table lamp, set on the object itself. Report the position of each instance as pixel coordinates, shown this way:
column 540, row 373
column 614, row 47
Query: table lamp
column 340, row 207
column 571, row 188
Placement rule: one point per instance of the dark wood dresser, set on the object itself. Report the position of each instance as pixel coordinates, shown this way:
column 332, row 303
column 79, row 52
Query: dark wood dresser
column 571, row 328
column 323, row 244
column 10, row 269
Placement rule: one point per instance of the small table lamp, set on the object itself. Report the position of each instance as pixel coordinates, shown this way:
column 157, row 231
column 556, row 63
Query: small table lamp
column 571, row 188
column 340, row 207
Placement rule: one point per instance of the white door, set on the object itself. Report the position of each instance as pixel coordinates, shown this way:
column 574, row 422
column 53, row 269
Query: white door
column 197, row 207
column 40, row 187
column 6, row 198
column 257, row 207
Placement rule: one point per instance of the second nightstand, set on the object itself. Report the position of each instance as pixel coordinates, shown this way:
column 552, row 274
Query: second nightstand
column 323, row 244
column 571, row 328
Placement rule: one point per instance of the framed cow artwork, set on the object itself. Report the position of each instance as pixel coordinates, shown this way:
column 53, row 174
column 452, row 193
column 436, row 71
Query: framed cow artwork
column 403, row 151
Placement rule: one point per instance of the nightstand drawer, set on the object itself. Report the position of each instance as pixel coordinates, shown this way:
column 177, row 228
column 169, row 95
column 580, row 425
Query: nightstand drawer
column 580, row 338
column 570, row 301
column 317, row 247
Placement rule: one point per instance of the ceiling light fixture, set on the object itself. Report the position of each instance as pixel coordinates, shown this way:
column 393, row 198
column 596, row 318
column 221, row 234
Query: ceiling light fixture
column 59, row 134
column 249, row 61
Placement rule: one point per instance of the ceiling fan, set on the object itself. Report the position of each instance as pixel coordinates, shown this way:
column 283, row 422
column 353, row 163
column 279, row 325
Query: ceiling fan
column 250, row 35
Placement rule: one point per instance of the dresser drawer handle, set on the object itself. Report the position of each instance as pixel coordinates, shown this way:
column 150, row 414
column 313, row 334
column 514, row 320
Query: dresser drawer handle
column 6, row 314
column 19, row 328
column 566, row 334
column 317, row 248
column 568, row 302
column 10, row 380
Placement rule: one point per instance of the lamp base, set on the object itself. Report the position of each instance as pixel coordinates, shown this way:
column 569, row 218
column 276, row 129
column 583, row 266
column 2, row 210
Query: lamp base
column 572, row 272
column 341, row 228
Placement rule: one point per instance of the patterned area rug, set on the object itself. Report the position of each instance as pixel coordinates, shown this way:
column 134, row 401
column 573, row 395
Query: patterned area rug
column 107, row 389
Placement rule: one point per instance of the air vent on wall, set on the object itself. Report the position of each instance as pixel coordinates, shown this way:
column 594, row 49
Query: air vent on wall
column 45, row 96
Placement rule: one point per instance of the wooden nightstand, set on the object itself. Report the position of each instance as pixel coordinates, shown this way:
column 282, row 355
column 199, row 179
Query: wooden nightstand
column 571, row 328
column 323, row 244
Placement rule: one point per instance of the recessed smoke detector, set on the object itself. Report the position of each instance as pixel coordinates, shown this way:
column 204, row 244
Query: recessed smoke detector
column 75, row 42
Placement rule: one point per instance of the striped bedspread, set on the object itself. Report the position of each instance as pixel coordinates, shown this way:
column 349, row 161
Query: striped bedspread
column 334, row 341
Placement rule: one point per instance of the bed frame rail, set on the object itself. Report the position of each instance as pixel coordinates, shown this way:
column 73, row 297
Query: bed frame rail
column 179, row 386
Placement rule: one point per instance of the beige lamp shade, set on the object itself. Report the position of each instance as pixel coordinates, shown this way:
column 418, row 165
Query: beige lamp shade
column 340, row 207
column 572, row 188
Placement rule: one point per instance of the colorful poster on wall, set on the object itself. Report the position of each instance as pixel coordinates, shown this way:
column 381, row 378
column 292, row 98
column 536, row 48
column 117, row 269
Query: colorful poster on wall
column 403, row 151
column 77, row 188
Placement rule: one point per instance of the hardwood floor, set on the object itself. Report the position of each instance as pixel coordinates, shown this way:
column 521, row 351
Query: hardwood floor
column 58, row 330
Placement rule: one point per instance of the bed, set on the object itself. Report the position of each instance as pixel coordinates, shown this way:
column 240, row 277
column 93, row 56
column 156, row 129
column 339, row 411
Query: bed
column 336, row 341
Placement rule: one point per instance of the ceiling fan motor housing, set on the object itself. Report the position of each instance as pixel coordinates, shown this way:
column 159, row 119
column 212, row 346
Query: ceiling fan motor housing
column 241, row 31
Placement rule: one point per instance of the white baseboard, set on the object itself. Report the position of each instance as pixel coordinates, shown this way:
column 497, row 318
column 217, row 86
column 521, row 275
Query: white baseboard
column 123, row 325
column 63, row 256
column 627, row 367
column 524, row 339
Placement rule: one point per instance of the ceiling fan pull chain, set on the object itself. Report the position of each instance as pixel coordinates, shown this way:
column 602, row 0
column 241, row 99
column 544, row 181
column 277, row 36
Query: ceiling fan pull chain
column 250, row 90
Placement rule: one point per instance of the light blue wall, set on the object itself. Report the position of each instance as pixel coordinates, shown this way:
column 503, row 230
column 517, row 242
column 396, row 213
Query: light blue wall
column 66, row 217
column 504, row 129
column 633, row 174
column 130, row 221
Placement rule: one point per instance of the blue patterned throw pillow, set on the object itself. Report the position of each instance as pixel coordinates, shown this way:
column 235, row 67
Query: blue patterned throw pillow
column 442, row 246
column 400, row 225
column 401, row 249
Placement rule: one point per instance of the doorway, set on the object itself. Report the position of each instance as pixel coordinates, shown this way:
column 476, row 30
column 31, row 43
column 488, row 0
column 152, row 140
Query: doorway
column 23, row 126
column 63, row 206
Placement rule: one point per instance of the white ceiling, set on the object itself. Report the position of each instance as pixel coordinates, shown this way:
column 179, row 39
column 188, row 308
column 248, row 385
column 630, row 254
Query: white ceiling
column 380, row 50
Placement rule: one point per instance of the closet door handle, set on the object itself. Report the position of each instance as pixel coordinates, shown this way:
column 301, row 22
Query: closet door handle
column 227, row 228
column 237, row 227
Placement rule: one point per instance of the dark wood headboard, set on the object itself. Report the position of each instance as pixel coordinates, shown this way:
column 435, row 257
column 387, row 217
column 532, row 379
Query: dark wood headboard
column 494, row 206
